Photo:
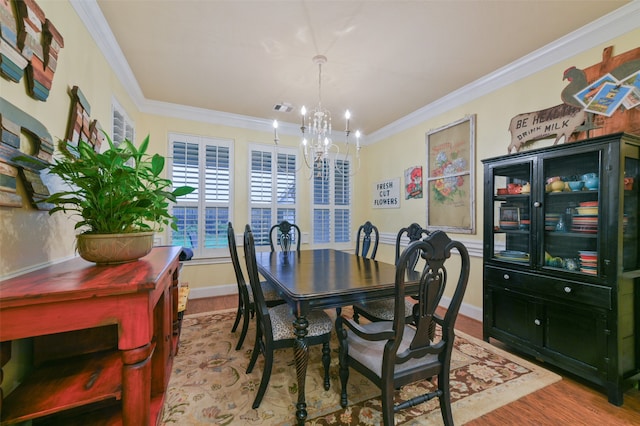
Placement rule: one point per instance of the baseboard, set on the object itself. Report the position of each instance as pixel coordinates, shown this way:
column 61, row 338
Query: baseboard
column 471, row 311
column 213, row 291
column 230, row 289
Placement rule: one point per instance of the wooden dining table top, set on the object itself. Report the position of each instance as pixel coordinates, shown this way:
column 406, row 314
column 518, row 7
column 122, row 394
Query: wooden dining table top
column 326, row 278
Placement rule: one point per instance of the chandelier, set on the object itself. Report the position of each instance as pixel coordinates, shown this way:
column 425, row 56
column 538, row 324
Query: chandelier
column 317, row 142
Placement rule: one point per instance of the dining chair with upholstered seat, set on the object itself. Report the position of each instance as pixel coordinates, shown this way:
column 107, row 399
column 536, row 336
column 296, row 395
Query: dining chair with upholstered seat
column 383, row 310
column 369, row 236
column 284, row 234
column 246, row 308
column 393, row 354
column 275, row 326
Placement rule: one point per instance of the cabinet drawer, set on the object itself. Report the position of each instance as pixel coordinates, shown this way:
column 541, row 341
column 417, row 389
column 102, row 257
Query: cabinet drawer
column 548, row 287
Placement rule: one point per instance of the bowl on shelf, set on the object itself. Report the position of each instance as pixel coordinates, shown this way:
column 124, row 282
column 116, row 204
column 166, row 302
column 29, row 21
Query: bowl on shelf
column 576, row 185
column 553, row 179
column 589, row 204
column 587, row 211
column 514, row 188
column 592, row 183
column 588, row 176
column 502, row 191
column 628, row 183
column 557, row 186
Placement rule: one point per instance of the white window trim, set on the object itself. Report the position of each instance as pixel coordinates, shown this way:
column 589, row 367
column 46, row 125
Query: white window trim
column 203, row 253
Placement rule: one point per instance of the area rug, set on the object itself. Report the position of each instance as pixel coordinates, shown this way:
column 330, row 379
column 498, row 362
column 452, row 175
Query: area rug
column 209, row 386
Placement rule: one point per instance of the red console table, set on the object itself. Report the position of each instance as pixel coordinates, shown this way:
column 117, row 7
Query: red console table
column 72, row 311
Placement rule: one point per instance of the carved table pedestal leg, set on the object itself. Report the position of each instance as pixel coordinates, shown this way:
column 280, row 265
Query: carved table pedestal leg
column 301, row 354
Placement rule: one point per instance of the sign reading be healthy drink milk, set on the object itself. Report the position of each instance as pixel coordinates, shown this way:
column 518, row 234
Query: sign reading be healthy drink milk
column 386, row 194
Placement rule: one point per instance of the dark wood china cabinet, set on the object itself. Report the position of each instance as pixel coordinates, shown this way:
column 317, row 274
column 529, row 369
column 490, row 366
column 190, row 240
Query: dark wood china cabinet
column 562, row 257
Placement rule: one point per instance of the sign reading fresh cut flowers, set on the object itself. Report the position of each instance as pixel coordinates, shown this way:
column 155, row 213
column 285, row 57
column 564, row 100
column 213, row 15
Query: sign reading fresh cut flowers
column 386, row 194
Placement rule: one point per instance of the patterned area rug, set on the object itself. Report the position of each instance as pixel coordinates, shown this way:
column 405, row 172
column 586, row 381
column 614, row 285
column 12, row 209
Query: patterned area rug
column 209, row 386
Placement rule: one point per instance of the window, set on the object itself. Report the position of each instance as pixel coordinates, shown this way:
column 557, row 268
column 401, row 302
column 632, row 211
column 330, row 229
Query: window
column 272, row 189
column 332, row 202
column 122, row 127
column 202, row 216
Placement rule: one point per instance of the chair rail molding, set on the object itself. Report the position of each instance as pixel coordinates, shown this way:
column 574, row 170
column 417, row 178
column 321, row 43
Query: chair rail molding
column 473, row 246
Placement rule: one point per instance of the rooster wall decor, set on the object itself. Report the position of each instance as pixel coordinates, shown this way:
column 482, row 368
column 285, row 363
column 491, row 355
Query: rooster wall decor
column 599, row 100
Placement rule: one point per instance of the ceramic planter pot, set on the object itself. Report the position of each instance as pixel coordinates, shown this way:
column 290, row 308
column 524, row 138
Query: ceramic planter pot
column 114, row 248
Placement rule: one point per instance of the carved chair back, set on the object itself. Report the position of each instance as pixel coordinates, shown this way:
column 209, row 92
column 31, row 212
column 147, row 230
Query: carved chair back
column 285, row 234
column 369, row 235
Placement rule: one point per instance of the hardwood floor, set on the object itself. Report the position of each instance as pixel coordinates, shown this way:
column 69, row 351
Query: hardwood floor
column 570, row 401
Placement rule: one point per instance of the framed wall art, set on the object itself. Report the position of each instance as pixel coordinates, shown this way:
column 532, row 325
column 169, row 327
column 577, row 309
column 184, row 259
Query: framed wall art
column 413, row 182
column 450, row 189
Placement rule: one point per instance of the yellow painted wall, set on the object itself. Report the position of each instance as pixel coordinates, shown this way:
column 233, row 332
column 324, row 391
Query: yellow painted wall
column 389, row 158
column 30, row 238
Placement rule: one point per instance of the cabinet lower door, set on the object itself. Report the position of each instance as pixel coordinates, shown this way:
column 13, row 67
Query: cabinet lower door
column 514, row 316
column 575, row 338
column 579, row 334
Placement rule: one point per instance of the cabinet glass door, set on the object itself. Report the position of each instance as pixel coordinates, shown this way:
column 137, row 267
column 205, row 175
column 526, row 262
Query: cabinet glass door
column 571, row 213
column 511, row 213
column 631, row 260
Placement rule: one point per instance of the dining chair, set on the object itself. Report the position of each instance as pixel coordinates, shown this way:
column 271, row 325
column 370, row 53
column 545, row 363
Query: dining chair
column 246, row 306
column 275, row 326
column 285, row 233
column 383, row 310
column 393, row 354
column 364, row 234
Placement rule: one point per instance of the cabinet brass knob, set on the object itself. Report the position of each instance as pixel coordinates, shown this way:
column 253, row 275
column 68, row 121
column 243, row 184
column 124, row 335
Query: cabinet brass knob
column 567, row 289
column 536, row 322
column 537, row 204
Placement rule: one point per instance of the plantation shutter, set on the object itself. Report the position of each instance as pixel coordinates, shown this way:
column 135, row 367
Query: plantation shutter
column 332, row 202
column 272, row 189
column 217, row 198
column 321, row 201
column 342, row 213
column 261, row 189
column 203, row 215
column 122, row 126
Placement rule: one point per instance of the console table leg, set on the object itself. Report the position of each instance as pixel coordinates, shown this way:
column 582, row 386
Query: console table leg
column 136, row 385
column 301, row 355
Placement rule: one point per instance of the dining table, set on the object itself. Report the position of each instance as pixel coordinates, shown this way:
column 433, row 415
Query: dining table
column 323, row 279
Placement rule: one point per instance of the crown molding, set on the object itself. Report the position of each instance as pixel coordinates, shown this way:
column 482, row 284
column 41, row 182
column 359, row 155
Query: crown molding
column 96, row 24
column 608, row 27
column 612, row 25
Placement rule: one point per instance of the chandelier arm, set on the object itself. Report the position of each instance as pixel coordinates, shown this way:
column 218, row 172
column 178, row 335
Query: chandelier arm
column 317, row 148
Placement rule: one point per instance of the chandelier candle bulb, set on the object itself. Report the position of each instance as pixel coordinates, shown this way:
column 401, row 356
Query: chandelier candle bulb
column 275, row 131
column 347, row 115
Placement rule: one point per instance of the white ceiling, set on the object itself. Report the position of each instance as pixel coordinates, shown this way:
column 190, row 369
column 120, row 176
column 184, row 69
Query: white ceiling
column 386, row 59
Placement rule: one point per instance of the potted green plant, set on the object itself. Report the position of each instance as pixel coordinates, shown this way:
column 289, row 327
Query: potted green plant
column 119, row 193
